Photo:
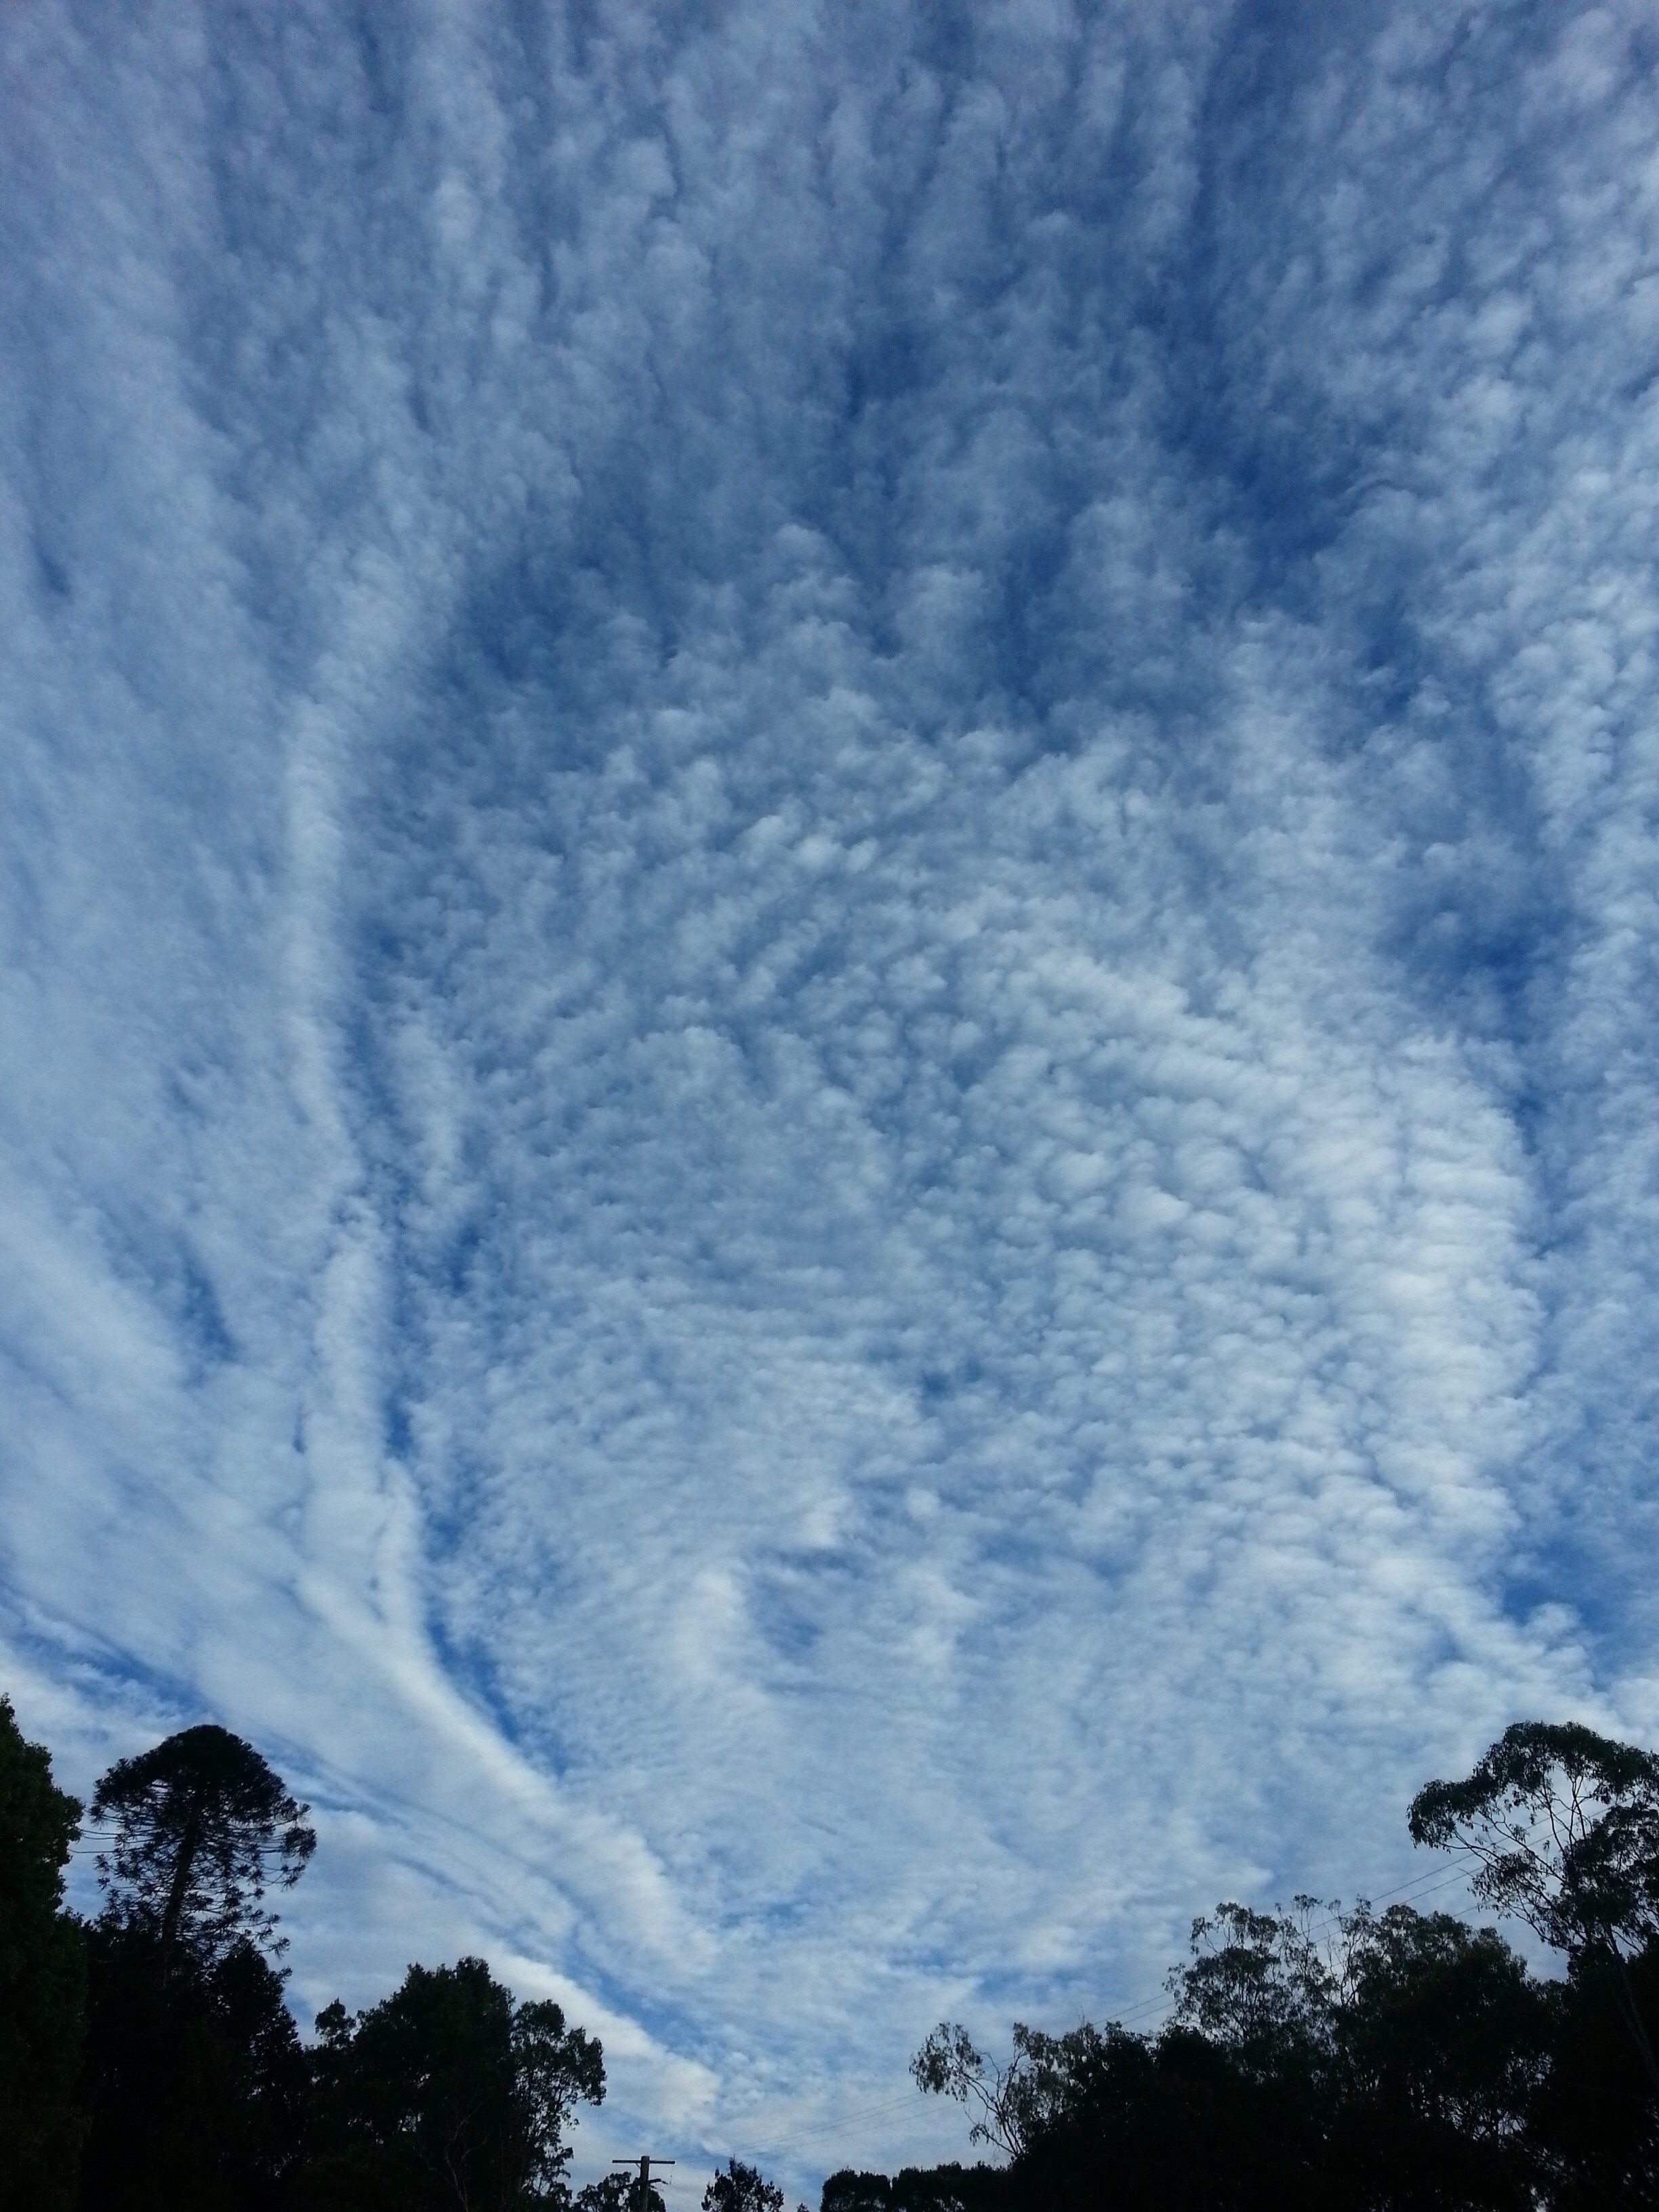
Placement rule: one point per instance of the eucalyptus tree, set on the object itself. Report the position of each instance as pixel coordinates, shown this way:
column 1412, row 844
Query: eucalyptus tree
column 1313, row 2057
column 1563, row 1826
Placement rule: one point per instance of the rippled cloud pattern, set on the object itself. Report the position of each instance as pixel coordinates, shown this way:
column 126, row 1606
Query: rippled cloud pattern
column 830, row 1112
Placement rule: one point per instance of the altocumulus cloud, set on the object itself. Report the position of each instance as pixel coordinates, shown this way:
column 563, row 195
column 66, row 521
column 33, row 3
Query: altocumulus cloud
column 830, row 1094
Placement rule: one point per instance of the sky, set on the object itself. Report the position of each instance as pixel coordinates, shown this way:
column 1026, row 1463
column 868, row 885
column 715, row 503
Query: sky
column 829, row 867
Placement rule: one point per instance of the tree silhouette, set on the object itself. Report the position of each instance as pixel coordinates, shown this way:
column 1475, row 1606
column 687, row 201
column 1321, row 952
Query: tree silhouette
column 42, row 1980
column 742, row 2189
column 446, row 2094
column 201, row 1823
column 1564, row 1827
column 194, row 2072
column 195, row 2076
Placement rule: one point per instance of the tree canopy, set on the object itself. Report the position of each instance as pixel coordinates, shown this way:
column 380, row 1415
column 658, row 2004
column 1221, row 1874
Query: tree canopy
column 1564, row 1827
column 1392, row 2061
column 742, row 2188
column 42, row 1979
column 194, row 2071
column 1379, row 2061
column 448, row 2094
column 201, row 1824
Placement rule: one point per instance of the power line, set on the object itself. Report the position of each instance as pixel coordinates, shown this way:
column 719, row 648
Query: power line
column 859, row 2114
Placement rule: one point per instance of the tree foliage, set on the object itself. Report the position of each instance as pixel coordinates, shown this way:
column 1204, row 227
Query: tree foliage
column 742, row 2189
column 1564, row 1827
column 1379, row 2061
column 195, row 2076
column 200, row 1825
column 1313, row 2059
column 1386, row 2062
column 618, row 2192
column 949, row 2188
column 1258, row 1985
column 448, row 2094
column 1011, row 2103
column 42, row 1980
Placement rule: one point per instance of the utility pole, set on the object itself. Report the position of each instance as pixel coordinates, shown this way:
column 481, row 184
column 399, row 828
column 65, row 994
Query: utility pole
column 640, row 2193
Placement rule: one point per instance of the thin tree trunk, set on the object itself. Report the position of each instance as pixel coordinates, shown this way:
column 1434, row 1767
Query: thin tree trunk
column 189, row 1843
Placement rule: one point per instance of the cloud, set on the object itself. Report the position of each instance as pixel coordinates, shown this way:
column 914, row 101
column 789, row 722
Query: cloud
column 829, row 1131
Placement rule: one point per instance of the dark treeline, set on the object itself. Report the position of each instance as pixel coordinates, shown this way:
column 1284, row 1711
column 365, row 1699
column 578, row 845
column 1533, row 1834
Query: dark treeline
column 1313, row 2057
column 1399, row 2059
column 148, row 2061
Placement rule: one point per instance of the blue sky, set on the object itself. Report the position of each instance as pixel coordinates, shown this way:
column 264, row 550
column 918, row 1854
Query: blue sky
column 830, row 1108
